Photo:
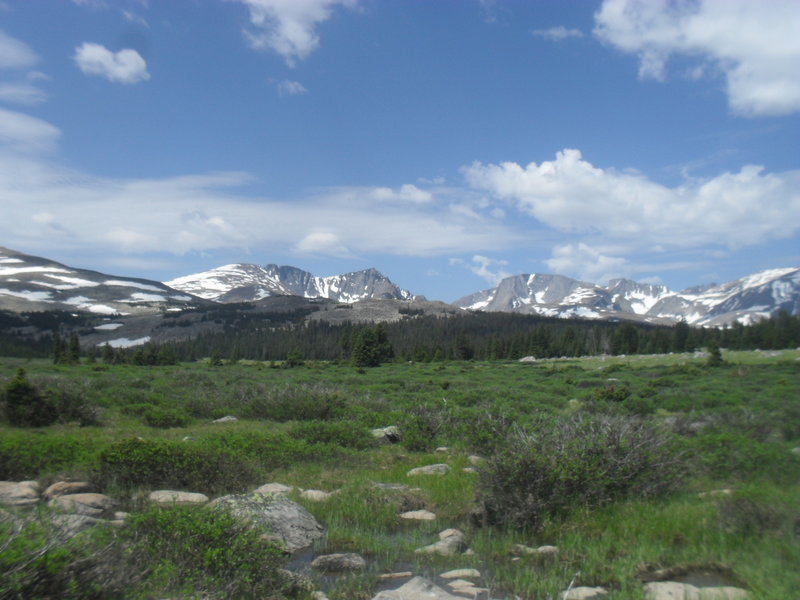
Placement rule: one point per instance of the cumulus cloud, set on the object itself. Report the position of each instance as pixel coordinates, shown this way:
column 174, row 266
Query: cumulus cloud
column 587, row 263
column 483, row 267
column 288, row 27
column 15, row 54
column 125, row 66
column 291, row 88
column 571, row 195
column 755, row 45
column 20, row 132
column 557, row 34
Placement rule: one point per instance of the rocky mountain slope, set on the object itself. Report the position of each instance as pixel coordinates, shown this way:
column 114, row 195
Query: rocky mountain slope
column 247, row 283
column 32, row 283
column 743, row 300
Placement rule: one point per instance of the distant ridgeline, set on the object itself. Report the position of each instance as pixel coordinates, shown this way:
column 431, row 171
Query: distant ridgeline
column 466, row 336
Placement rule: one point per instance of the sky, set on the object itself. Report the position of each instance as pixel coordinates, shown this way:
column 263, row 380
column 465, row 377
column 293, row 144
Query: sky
column 447, row 143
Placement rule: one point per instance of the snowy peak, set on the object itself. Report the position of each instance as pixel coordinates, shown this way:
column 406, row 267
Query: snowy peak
column 747, row 299
column 247, row 282
column 32, row 283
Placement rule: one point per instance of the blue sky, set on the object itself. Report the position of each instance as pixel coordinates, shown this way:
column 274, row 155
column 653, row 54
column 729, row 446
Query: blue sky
column 448, row 143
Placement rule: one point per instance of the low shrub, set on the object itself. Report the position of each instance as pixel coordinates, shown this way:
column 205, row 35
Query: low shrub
column 561, row 463
column 165, row 418
column 422, row 425
column 25, row 456
column 345, row 434
column 25, row 406
column 759, row 511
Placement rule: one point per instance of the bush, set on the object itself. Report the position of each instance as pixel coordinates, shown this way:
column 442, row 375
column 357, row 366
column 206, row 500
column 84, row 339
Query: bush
column 758, row 511
column 577, row 461
column 164, row 418
column 345, row 434
column 25, row 406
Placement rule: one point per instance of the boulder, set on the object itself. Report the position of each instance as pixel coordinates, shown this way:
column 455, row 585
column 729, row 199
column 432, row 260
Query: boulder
column 461, row 574
column 586, row 593
column 540, row 552
column 167, row 497
column 673, row 590
column 418, row 515
column 387, row 435
column 91, row 505
column 451, row 542
column 438, row 469
column 22, row 493
column 338, row 563
column 276, row 517
column 226, row 419
column 63, row 488
column 273, row 488
column 417, row 588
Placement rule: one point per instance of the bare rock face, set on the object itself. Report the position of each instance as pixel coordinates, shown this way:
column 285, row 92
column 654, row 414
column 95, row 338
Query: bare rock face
column 90, row 505
column 167, row 497
column 417, row 588
column 337, row 563
column 276, row 517
column 22, row 493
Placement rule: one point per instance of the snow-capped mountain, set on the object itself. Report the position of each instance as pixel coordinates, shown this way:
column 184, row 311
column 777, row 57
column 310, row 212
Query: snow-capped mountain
column 744, row 300
column 246, row 283
column 32, row 283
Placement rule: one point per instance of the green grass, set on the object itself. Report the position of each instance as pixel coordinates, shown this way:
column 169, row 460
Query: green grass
column 307, row 426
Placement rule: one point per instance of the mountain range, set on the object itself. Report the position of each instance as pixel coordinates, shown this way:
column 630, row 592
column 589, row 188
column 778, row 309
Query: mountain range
column 30, row 283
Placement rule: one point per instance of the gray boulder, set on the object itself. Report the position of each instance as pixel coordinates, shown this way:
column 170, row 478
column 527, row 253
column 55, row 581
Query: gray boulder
column 22, row 493
column 90, row 505
column 62, row 488
column 586, row 593
column 387, row 435
column 337, row 563
column 171, row 497
column 417, row 588
column 438, row 469
column 451, row 542
column 276, row 517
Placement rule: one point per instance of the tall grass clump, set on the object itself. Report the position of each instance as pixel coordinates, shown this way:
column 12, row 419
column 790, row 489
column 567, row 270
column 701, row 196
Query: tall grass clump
column 558, row 464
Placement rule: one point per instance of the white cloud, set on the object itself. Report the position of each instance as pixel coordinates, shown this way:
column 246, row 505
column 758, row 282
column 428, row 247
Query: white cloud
column 571, row 195
column 482, row 267
column 21, row 132
column 21, row 93
column 754, row 44
column 323, row 242
column 288, row 27
column 15, row 54
column 124, row 66
column 587, row 263
column 557, row 34
column 291, row 88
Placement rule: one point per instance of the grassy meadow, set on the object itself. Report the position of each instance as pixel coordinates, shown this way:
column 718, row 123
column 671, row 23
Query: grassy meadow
column 617, row 451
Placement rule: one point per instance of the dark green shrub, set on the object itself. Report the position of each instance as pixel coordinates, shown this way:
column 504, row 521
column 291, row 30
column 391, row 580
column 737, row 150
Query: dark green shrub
column 163, row 463
column 164, row 418
column 187, row 550
column 421, row 426
column 611, row 393
column 562, row 463
column 345, row 434
column 293, row 403
column 25, row 405
column 24, row 456
column 758, row 511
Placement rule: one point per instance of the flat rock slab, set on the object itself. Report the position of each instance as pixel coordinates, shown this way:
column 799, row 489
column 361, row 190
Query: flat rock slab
column 273, row 488
column 88, row 504
column 438, row 469
column 673, row 590
column 63, row 488
column 275, row 517
column 337, row 563
column 174, row 497
column 540, row 552
column 19, row 493
column 586, row 593
column 461, row 574
column 418, row 515
column 417, row 588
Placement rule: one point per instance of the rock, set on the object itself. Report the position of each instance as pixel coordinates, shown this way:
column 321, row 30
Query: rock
column 387, row 435
column 399, row 575
column 528, row 359
column 337, row 563
column 672, row 590
column 796, row 451
column 586, row 593
column 467, row 589
column 461, row 574
column 226, row 419
column 475, row 460
column 540, row 552
column 23, row 493
column 715, row 493
column 469, row 470
column 63, row 488
column 451, row 542
column 418, row 515
column 88, row 504
column 273, row 488
column 417, row 588
column 316, row 495
column 121, row 516
column 319, row 596
column 72, row 525
column 442, row 450
column 439, row 469
column 173, row 497
column 276, row 517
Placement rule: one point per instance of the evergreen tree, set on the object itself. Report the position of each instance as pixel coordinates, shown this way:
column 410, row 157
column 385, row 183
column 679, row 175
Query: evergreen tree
column 25, row 406
column 58, row 349
column 371, row 347
column 73, row 356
